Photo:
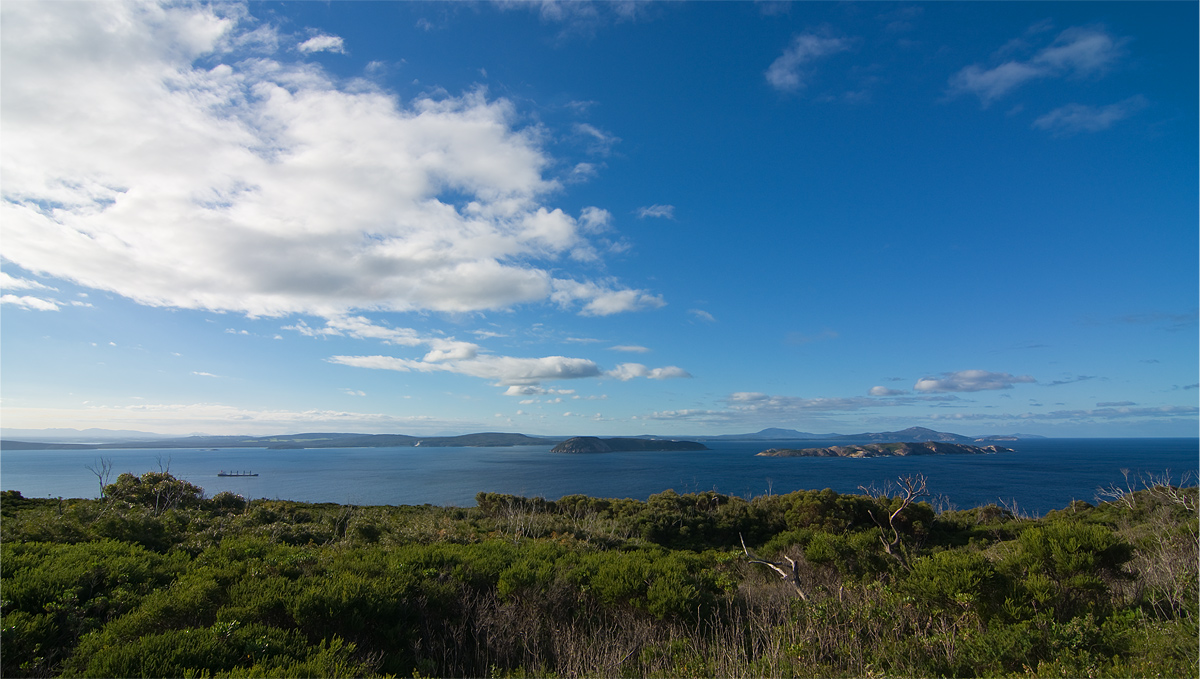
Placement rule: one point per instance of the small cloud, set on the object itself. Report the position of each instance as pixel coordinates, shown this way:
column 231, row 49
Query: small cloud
column 1077, row 52
column 595, row 220
column 8, row 282
column 631, row 348
column 322, row 43
column 231, row 331
column 1075, row 118
column 1069, row 380
column 354, row 392
column 1114, row 404
column 664, row 211
column 787, row 73
column 884, row 391
column 970, row 380
column 1192, row 386
column 628, row 371
column 598, row 141
column 201, row 373
column 425, row 25
column 702, row 315
column 29, row 302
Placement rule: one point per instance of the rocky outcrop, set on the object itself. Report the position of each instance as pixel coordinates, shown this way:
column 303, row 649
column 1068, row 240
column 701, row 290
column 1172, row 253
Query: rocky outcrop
column 887, row 450
column 591, row 444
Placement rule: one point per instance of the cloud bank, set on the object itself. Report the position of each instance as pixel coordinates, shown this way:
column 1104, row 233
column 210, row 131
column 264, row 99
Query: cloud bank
column 171, row 155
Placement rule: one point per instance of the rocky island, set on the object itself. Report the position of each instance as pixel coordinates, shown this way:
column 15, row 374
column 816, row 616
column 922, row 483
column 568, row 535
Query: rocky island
column 591, row 444
column 887, row 450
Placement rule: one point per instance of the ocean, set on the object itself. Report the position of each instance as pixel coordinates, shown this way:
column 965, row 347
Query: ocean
column 1040, row 475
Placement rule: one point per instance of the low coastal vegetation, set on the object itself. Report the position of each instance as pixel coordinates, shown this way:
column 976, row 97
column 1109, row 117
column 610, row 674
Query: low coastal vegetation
column 154, row 579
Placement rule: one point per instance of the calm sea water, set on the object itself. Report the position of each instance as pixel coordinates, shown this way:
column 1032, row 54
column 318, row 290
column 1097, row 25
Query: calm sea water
column 1040, row 475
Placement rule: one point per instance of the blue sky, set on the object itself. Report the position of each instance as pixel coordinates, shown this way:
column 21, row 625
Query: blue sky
column 600, row 218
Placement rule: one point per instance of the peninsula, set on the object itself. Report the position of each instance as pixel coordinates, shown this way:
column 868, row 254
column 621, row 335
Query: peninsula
column 591, row 444
column 887, row 450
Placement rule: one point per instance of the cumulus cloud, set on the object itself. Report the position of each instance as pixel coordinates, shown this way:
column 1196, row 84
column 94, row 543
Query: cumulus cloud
column 322, row 43
column 145, row 154
column 970, row 380
column 1075, row 118
column 663, row 211
column 787, row 73
column 1076, row 52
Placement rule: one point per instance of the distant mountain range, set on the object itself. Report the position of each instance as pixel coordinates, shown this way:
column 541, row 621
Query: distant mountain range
column 99, row 439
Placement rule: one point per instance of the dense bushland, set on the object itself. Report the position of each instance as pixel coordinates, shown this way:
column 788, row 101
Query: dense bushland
column 154, row 579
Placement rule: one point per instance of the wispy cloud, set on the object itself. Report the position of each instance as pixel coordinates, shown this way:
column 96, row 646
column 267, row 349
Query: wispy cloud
column 702, row 315
column 884, row 391
column 30, row 302
column 663, row 211
column 1076, row 52
column 970, row 380
column 1075, row 118
column 788, row 72
column 630, row 348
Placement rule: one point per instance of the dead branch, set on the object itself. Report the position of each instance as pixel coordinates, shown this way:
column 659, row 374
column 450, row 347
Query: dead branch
column 790, row 574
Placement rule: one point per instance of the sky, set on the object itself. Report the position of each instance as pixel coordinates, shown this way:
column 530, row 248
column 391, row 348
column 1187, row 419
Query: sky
column 599, row 218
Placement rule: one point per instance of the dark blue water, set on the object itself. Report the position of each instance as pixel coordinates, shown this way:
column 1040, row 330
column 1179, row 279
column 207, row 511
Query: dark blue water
column 1040, row 475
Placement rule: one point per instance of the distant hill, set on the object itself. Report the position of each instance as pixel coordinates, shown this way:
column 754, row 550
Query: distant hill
column 769, row 434
column 297, row 441
column 592, row 444
column 910, row 435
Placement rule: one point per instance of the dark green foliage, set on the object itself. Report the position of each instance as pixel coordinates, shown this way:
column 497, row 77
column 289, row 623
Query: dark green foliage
column 155, row 580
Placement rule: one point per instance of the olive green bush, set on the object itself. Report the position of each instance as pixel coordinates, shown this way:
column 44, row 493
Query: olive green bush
column 154, row 579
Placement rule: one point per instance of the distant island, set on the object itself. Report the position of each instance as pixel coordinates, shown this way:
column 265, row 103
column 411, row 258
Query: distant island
column 902, row 449
column 592, row 444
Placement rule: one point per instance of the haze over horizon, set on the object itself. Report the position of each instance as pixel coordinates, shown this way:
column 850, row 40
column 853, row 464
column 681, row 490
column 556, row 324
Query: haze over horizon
column 600, row 218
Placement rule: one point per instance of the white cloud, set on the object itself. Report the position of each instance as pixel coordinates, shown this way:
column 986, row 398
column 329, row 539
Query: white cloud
column 702, row 315
column 322, row 43
column 787, row 72
column 8, row 282
column 970, row 380
column 29, row 302
column 1076, row 52
column 884, row 391
column 1075, row 118
column 603, row 300
column 263, row 186
column 203, row 374
column 663, row 211
column 630, row 348
column 503, row 370
column 628, row 371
